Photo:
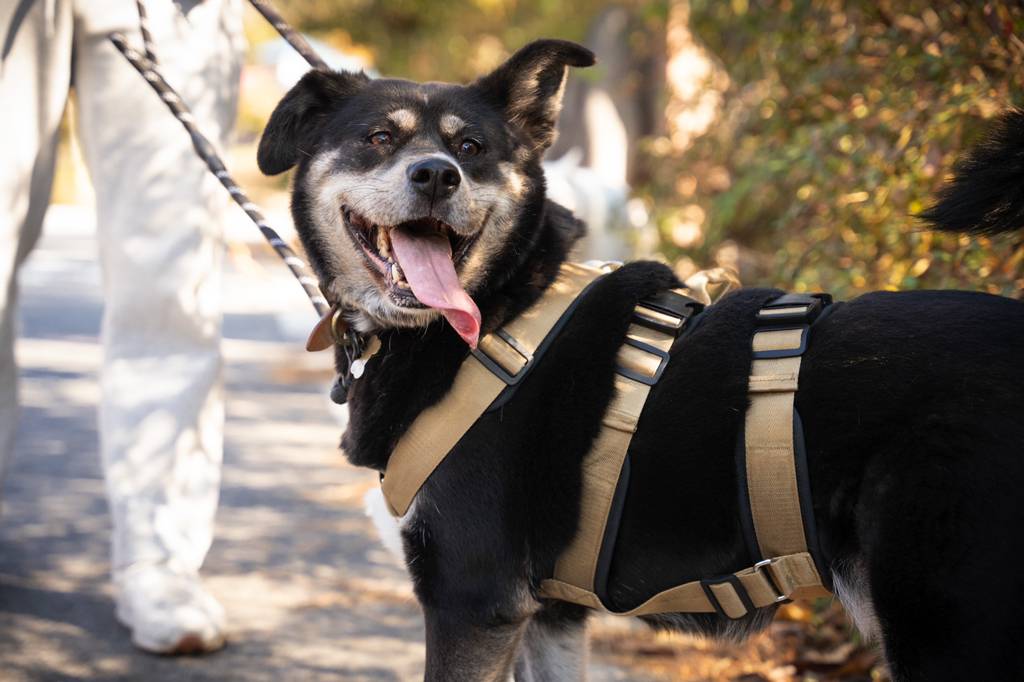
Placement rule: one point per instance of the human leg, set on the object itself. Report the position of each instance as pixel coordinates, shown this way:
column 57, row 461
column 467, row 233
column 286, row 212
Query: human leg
column 35, row 73
column 159, row 214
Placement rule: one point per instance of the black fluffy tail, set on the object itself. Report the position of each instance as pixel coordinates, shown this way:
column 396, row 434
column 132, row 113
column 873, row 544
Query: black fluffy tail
column 986, row 194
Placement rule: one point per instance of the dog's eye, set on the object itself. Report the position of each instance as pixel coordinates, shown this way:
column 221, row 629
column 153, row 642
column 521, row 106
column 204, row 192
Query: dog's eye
column 379, row 137
column 469, row 147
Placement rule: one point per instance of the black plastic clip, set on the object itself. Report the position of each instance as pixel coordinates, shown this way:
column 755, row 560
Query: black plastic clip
column 786, row 352
column 737, row 587
column 497, row 369
column 670, row 304
column 791, row 312
column 811, row 306
column 662, row 356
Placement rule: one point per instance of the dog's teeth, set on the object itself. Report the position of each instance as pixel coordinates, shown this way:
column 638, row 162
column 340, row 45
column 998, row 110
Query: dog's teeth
column 402, row 284
column 397, row 276
column 382, row 243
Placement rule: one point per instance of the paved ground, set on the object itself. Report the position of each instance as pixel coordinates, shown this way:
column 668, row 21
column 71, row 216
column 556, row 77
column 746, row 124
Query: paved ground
column 310, row 592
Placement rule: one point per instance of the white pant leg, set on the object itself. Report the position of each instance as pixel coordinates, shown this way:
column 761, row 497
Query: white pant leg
column 35, row 70
column 159, row 216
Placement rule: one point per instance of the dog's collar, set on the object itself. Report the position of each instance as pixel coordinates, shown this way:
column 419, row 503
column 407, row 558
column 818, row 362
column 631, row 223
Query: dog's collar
column 333, row 330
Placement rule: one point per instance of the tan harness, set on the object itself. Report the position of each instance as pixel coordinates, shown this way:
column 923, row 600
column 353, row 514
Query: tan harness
column 503, row 357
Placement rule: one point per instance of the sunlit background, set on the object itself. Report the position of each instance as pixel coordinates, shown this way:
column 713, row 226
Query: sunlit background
column 794, row 140
column 791, row 140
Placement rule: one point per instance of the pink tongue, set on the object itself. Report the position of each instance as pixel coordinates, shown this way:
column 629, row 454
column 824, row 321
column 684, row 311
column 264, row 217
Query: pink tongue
column 426, row 261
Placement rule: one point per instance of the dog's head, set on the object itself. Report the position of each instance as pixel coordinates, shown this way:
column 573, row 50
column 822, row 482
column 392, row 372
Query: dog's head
column 407, row 193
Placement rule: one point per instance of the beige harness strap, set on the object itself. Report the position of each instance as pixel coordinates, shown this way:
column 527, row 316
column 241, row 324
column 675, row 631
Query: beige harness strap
column 770, row 582
column 507, row 351
column 772, row 486
column 771, row 469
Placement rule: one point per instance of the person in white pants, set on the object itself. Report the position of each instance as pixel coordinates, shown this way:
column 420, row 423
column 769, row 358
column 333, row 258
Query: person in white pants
column 159, row 217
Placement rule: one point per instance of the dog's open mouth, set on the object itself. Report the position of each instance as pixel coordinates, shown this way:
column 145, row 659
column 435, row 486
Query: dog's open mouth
column 415, row 262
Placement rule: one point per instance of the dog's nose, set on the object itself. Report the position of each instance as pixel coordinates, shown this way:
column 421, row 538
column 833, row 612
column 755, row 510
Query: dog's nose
column 435, row 177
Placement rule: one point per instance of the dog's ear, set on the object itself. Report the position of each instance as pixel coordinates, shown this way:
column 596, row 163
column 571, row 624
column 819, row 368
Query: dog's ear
column 293, row 127
column 528, row 87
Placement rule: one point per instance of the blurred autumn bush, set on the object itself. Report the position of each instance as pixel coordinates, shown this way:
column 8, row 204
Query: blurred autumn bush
column 839, row 122
column 455, row 40
column 816, row 132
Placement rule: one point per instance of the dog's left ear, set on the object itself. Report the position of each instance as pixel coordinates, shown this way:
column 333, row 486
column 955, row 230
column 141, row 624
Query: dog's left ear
column 528, row 87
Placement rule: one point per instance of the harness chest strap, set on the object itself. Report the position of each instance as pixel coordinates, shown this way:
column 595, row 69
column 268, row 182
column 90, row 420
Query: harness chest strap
column 771, row 480
column 769, row 582
column 500, row 360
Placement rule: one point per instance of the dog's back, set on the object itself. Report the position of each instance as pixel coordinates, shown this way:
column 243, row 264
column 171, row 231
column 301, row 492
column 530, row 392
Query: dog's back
column 913, row 405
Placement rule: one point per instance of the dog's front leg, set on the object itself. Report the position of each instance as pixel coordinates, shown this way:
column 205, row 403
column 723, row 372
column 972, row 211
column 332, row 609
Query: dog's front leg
column 554, row 645
column 463, row 648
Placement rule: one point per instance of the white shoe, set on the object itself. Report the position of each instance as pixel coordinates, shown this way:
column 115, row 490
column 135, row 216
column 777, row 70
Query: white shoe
column 168, row 611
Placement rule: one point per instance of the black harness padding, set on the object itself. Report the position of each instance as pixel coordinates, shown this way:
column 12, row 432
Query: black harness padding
column 514, row 381
column 705, row 382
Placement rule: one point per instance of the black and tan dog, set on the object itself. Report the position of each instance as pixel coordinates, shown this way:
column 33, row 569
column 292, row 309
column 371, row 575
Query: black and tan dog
column 422, row 207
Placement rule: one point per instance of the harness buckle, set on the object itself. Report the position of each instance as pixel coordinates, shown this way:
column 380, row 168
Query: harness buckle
column 785, row 352
column 791, row 312
column 737, row 587
column 792, row 309
column 646, row 379
column 780, row 596
column 496, row 367
column 666, row 312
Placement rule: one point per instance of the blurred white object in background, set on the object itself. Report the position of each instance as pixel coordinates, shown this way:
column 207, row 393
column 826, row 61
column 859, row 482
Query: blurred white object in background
column 597, row 192
column 596, row 200
column 604, row 113
column 609, row 141
column 289, row 66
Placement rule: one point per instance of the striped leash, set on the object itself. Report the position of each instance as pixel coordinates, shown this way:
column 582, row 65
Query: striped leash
column 353, row 343
column 209, row 154
column 293, row 37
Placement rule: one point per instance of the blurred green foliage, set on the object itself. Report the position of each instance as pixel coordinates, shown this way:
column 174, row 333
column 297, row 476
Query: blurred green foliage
column 842, row 119
column 455, row 40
